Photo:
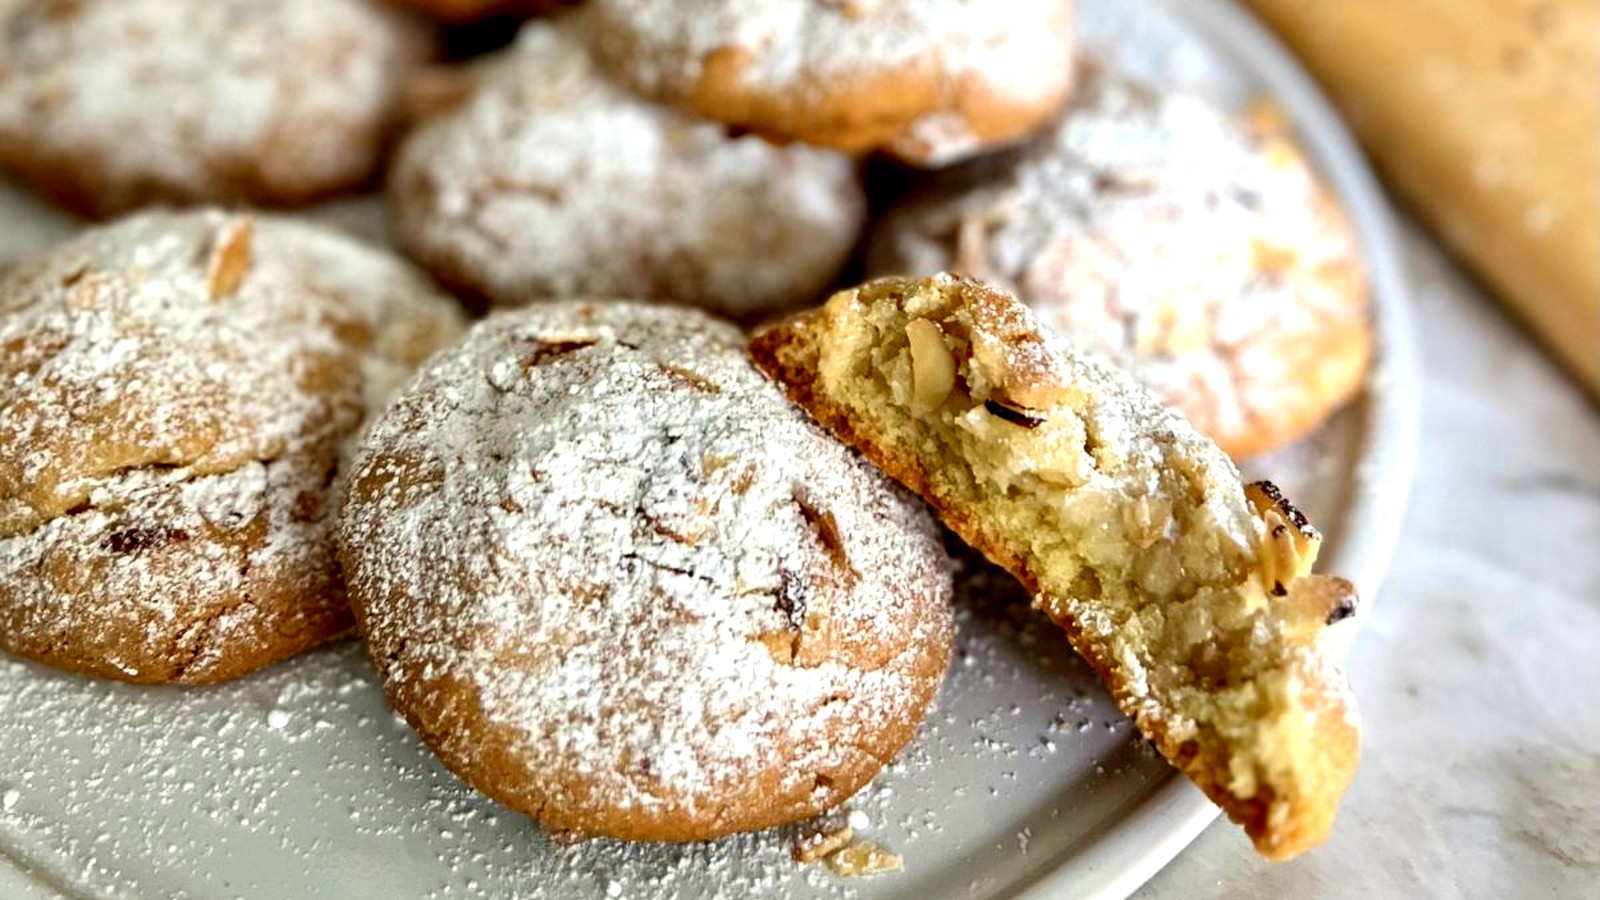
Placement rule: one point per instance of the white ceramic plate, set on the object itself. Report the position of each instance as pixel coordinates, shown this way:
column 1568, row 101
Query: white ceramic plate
column 1025, row 783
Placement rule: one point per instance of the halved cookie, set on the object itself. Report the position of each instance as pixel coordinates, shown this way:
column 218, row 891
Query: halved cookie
column 1189, row 592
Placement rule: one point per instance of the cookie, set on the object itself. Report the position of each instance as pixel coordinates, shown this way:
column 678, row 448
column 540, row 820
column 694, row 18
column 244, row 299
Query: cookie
column 461, row 11
column 617, row 582
column 1187, row 591
column 549, row 181
column 108, row 105
column 1195, row 248
column 929, row 81
column 178, row 391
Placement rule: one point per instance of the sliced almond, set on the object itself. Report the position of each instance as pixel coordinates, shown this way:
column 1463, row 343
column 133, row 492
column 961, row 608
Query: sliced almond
column 820, row 844
column 863, row 859
column 933, row 369
column 1290, row 546
column 230, row 258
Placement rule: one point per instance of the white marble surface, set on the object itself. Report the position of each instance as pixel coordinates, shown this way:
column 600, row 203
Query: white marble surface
column 1479, row 672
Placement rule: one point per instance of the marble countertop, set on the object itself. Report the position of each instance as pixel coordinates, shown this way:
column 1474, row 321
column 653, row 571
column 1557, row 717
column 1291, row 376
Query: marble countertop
column 1477, row 672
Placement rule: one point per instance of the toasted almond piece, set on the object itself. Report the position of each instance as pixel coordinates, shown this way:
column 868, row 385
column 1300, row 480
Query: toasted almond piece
column 230, row 258
column 820, row 844
column 933, row 369
column 862, row 859
column 1290, row 546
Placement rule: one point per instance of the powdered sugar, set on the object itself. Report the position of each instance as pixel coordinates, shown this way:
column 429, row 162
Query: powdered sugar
column 221, row 99
column 1159, row 230
column 549, row 181
column 663, row 601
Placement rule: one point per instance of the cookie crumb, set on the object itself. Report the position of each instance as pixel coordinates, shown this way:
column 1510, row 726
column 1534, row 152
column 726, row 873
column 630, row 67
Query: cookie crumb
column 820, row 844
column 863, row 859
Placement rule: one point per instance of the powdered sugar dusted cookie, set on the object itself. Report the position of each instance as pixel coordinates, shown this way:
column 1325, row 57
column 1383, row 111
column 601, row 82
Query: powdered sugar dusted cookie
column 1196, row 249
column 931, row 81
column 550, row 181
column 178, row 390
column 615, row 580
column 106, row 105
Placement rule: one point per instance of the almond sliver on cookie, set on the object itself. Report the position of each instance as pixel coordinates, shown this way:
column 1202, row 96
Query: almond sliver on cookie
column 1188, row 592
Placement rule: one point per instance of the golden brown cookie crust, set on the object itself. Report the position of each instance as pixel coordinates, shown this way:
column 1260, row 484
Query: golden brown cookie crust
column 179, row 389
column 1187, row 593
column 929, row 81
column 616, row 581
column 110, row 105
column 1197, row 249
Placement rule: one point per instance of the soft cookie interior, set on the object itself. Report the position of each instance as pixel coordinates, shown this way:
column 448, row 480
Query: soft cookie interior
column 1189, row 594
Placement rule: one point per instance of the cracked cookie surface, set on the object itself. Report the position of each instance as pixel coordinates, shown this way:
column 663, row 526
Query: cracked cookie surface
column 541, row 179
column 1188, row 592
column 618, row 582
column 1196, row 248
column 178, row 391
column 109, row 105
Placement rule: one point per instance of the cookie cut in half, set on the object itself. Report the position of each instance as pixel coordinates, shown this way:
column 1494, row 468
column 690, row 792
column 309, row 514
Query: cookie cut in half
column 1187, row 591
column 617, row 581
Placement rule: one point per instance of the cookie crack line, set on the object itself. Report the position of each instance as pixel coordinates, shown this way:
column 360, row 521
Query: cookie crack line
column 88, row 506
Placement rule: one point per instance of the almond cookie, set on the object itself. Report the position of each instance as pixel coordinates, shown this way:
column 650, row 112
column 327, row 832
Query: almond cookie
column 177, row 391
column 1194, row 248
column 930, row 81
column 617, row 582
column 927, row 80
column 107, row 105
column 1187, row 591
column 549, row 181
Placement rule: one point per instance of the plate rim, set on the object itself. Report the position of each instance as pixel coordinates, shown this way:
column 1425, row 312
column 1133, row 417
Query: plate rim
column 1150, row 835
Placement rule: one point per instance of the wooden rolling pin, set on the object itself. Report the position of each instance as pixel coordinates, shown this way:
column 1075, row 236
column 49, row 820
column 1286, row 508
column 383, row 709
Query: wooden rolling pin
column 1484, row 115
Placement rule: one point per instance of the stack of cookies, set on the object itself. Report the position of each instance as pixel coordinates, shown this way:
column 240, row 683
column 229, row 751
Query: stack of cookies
column 623, row 564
